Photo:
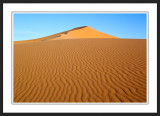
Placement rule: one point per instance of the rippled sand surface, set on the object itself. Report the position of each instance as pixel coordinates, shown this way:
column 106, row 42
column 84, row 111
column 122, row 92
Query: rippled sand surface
column 80, row 70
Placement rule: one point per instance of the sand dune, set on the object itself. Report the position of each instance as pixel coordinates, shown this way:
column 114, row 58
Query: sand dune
column 76, row 33
column 80, row 70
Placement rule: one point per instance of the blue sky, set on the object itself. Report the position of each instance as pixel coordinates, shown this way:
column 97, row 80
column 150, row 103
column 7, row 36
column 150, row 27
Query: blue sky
column 35, row 25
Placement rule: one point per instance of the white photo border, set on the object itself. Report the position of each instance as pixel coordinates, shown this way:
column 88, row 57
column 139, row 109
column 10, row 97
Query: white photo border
column 86, row 103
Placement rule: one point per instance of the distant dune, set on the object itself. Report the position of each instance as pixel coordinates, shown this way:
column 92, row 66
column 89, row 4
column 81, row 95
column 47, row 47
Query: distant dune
column 76, row 33
column 84, row 66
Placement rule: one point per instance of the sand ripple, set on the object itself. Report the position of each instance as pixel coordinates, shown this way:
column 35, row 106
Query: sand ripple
column 80, row 70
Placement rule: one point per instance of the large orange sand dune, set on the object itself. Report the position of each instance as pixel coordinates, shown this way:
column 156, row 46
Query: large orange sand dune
column 76, row 33
column 80, row 70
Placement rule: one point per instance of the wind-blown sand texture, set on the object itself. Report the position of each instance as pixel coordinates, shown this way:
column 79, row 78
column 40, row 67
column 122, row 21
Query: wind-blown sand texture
column 80, row 70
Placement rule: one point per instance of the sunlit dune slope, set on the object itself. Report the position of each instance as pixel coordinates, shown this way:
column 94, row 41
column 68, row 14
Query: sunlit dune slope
column 85, row 32
column 76, row 33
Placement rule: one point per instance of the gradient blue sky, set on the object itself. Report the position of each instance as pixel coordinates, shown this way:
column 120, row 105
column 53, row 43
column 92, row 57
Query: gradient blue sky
column 123, row 25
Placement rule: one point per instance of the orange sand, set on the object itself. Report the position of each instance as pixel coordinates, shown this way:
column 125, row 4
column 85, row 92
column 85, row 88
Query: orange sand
column 80, row 70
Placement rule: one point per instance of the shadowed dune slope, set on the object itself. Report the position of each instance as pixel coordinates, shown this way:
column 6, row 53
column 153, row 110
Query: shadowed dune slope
column 80, row 70
column 76, row 33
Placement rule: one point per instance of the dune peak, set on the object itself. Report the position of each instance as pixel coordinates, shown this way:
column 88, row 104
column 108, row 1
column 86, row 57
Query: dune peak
column 76, row 28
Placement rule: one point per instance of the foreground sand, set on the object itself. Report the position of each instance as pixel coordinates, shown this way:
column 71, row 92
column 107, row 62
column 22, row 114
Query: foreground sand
column 80, row 70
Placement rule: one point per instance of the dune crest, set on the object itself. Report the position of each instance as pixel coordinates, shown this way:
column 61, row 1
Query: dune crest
column 75, row 33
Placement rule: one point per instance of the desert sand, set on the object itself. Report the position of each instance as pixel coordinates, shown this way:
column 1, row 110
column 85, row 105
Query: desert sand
column 80, row 65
